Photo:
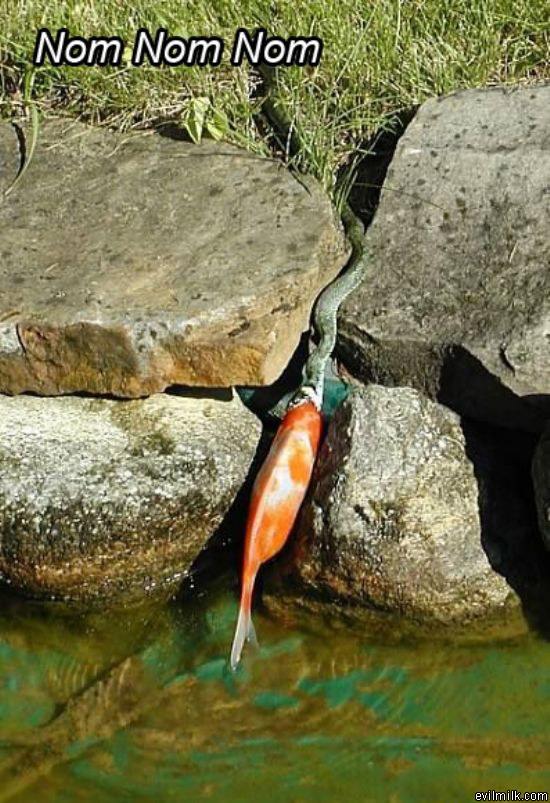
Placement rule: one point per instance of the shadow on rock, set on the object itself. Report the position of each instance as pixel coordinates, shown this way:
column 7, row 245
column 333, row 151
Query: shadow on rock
column 372, row 166
column 216, row 394
column 466, row 386
column 262, row 399
column 224, row 548
column 453, row 376
column 509, row 532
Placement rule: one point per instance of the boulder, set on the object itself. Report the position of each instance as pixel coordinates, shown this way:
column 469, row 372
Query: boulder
column 135, row 262
column 415, row 513
column 457, row 299
column 102, row 498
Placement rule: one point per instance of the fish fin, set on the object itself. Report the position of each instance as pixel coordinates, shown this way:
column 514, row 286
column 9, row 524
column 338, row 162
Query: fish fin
column 241, row 634
column 245, row 629
column 251, row 636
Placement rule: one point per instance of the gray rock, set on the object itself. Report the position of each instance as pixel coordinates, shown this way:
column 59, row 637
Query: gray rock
column 412, row 514
column 100, row 498
column 134, row 262
column 457, row 301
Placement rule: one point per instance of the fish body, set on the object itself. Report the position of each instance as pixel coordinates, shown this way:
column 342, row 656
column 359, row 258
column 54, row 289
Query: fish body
column 277, row 494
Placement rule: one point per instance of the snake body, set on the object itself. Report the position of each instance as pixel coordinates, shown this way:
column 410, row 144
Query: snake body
column 324, row 320
column 326, row 307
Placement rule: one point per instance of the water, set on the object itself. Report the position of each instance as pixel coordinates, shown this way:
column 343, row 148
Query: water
column 325, row 711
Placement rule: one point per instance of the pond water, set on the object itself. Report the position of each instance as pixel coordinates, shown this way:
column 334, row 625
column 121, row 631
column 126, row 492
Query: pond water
column 140, row 706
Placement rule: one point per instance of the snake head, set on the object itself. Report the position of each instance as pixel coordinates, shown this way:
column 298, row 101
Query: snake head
column 307, row 393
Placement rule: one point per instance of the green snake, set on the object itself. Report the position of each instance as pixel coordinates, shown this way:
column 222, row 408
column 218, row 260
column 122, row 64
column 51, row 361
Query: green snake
column 325, row 319
column 326, row 307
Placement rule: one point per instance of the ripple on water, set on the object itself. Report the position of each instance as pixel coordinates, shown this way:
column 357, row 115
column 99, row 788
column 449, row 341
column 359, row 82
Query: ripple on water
column 323, row 711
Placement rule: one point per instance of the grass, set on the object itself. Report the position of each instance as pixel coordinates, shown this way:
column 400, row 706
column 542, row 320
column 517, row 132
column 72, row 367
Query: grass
column 381, row 57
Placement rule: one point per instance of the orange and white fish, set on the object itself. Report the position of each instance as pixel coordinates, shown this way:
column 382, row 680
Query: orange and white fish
column 277, row 494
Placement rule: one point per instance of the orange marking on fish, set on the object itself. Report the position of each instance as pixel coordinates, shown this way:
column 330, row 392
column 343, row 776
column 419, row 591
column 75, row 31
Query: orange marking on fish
column 277, row 494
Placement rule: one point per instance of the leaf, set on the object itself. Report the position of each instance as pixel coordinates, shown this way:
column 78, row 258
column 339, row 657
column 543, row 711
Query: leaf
column 196, row 115
column 217, row 124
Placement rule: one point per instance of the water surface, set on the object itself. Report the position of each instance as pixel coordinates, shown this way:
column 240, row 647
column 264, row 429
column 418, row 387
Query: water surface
column 140, row 706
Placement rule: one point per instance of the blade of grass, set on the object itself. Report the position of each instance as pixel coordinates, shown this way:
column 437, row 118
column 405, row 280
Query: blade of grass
column 35, row 125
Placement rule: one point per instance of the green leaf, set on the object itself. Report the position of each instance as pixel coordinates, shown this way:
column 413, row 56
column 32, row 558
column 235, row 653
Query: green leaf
column 217, row 124
column 196, row 115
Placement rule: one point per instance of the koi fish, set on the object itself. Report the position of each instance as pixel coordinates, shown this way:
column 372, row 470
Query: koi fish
column 277, row 494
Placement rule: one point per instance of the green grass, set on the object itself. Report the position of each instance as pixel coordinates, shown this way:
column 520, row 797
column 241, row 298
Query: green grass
column 380, row 57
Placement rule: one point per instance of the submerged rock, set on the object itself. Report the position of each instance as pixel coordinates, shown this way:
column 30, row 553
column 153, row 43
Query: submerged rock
column 457, row 300
column 134, row 262
column 100, row 498
column 413, row 513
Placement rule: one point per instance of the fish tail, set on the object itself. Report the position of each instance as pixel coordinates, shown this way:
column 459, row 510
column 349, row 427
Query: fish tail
column 245, row 629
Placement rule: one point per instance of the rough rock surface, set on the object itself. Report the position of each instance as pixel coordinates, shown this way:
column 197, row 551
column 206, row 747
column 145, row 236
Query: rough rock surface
column 100, row 498
column 457, row 300
column 130, row 263
column 413, row 513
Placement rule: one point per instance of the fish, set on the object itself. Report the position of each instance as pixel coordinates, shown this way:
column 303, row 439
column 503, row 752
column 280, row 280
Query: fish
column 277, row 494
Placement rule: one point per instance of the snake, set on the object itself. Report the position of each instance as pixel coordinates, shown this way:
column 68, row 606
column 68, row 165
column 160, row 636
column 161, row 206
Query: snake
column 324, row 319
column 325, row 310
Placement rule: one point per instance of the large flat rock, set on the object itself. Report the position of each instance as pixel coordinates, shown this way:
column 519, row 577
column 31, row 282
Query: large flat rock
column 130, row 263
column 457, row 301
column 102, row 498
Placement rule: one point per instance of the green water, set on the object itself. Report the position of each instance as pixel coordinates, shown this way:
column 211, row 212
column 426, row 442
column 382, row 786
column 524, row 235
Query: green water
column 325, row 711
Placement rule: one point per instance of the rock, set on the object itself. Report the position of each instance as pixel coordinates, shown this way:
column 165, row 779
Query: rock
column 316, row 613
column 457, row 300
column 102, row 498
column 134, row 262
column 415, row 514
